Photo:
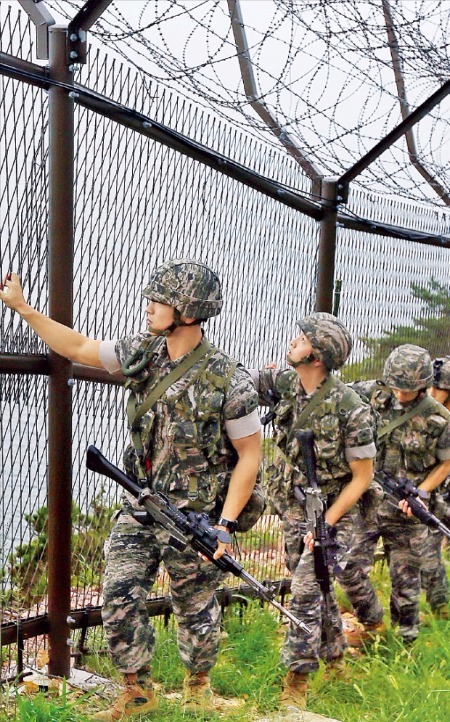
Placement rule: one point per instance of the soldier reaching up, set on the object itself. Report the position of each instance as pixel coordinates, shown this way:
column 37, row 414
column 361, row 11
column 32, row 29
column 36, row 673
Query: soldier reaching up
column 201, row 434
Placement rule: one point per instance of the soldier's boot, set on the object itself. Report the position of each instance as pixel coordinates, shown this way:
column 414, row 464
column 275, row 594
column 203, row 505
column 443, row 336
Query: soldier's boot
column 360, row 634
column 336, row 667
column 441, row 612
column 295, row 690
column 197, row 693
column 133, row 700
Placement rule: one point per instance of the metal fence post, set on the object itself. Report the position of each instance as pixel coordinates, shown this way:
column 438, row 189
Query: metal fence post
column 60, row 280
column 327, row 247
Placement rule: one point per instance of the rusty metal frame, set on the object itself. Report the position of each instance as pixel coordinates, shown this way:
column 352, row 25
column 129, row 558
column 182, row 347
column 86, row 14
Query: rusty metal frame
column 63, row 93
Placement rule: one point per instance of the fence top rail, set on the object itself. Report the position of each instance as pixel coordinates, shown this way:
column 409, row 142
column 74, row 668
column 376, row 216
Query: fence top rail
column 159, row 132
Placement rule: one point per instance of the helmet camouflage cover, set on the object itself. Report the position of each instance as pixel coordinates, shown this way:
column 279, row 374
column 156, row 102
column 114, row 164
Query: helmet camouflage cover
column 189, row 286
column 441, row 373
column 408, row 368
column 329, row 336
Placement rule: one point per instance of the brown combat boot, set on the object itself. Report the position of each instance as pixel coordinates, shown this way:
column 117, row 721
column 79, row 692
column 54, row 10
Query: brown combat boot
column 135, row 699
column 359, row 634
column 197, row 693
column 295, row 690
column 441, row 612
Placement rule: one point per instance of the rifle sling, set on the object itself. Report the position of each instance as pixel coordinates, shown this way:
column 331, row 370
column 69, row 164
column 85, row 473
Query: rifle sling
column 205, row 349
column 304, row 415
column 313, row 402
column 426, row 404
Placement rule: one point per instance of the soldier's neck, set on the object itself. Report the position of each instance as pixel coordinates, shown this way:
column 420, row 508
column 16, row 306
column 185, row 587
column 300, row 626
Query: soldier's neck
column 311, row 376
column 183, row 340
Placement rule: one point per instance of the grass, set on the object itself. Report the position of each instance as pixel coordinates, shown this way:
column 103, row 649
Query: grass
column 388, row 683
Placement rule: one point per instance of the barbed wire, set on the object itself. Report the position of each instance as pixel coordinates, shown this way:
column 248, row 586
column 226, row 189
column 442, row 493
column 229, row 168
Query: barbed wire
column 323, row 68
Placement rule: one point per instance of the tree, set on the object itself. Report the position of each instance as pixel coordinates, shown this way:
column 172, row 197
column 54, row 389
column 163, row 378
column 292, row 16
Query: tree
column 431, row 330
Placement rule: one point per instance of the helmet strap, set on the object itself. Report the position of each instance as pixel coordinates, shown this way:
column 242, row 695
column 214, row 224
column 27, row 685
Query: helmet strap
column 307, row 360
column 177, row 322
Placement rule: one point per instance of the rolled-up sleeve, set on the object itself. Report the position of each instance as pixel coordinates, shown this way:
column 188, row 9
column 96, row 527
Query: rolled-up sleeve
column 360, row 434
column 245, row 426
column 108, row 356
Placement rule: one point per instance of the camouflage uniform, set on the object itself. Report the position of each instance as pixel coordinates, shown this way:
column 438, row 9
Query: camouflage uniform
column 433, row 573
column 411, row 450
column 343, row 432
column 187, row 455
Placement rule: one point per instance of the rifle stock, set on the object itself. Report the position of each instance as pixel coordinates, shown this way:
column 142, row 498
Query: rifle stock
column 185, row 529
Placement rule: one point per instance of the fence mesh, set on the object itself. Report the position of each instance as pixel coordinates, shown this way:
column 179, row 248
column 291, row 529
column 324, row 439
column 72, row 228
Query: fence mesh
column 139, row 203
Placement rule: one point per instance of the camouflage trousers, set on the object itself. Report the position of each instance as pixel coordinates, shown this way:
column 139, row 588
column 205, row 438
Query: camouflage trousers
column 433, row 574
column 133, row 556
column 326, row 640
column 403, row 540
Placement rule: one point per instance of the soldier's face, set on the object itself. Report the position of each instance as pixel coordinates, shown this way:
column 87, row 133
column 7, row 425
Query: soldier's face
column 299, row 348
column 440, row 395
column 159, row 316
column 405, row 397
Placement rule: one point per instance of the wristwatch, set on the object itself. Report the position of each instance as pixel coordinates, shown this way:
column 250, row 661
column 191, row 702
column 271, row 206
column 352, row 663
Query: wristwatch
column 223, row 536
column 230, row 526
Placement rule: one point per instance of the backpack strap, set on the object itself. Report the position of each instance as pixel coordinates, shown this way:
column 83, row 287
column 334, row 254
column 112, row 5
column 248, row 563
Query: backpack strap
column 313, row 403
column 206, row 350
column 426, row 406
column 350, row 400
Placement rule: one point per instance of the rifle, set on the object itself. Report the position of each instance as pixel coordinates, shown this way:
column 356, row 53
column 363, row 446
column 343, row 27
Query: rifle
column 311, row 498
column 405, row 489
column 185, row 528
column 324, row 552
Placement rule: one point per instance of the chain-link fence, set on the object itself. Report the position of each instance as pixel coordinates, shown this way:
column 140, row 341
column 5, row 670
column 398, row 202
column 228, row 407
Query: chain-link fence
column 139, row 202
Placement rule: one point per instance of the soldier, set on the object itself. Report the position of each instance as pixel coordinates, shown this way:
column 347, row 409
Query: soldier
column 309, row 396
column 202, row 434
column 415, row 445
column 433, row 574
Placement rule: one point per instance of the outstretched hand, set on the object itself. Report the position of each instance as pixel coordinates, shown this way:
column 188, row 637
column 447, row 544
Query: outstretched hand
column 11, row 291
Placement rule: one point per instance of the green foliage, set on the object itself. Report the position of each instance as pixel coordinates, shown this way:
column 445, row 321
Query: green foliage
column 27, row 564
column 431, row 330
column 388, row 682
column 39, row 708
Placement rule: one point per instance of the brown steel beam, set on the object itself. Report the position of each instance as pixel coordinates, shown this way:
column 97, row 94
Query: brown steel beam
column 353, row 223
column 91, row 616
column 11, row 363
column 25, row 66
column 327, row 248
column 78, row 27
column 390, row 138
column 60, row 281
column 271, row 188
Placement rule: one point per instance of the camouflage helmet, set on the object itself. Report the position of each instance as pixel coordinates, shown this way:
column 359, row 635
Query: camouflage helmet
column 189, row 286
column 441, row 373
column 408, row 368
column 329, row 337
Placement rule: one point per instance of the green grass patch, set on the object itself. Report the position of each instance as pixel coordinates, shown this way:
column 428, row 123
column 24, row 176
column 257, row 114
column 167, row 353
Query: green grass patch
column 388, row 683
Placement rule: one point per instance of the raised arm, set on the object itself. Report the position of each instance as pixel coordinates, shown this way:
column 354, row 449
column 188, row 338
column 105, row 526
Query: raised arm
column 63, row 340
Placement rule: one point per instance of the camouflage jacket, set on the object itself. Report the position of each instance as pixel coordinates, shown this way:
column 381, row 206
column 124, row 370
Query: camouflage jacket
column 343, row 429
column 183, row 436
column 415, row 447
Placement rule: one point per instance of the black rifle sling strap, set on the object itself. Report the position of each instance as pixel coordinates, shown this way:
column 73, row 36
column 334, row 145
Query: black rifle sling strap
column 205, row 350
column 426, row 406
column 305, row 414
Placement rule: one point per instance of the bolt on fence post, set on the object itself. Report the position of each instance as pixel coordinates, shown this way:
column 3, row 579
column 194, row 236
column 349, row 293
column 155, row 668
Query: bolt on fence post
column 327, row 247
column 60, row 275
